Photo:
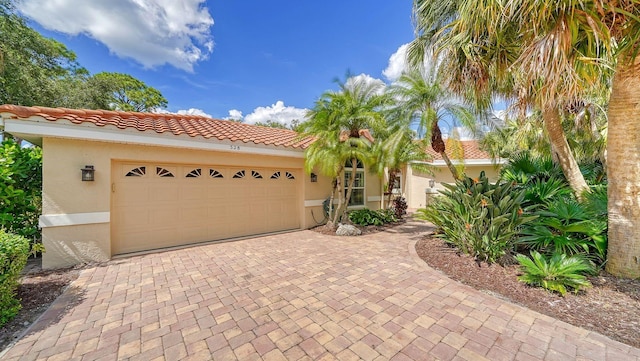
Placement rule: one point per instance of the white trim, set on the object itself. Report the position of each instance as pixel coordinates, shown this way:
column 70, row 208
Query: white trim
column 314, row 203
column 28, row 127
column 441, row 163
column 73, row 219
column 374, row 199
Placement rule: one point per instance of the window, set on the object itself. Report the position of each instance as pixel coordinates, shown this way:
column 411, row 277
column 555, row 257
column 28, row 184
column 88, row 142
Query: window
column 357, row 191
column 397, row 184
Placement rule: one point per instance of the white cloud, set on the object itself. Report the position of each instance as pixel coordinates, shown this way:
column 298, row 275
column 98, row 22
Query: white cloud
column 397, row 64
column 190, row 111
column 235, row 114
column 276, row 112
column 152, row 32
column 194, row 111
column 367, row 79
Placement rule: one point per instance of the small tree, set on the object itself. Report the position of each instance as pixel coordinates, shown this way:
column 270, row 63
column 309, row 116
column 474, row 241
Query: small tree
column 342, row 124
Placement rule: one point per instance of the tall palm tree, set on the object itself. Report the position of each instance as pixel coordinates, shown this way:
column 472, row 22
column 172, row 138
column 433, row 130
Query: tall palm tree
column 396, row 148
column 485, row 53
column 548, row 53
column 418, row 93
column 342, row 123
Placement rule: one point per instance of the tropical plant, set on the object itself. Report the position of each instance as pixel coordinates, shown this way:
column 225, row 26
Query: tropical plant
column 479, row 218
column 421, row 97
column 368, row 217
column 556, row 273
column 565, row 227
column 342, row 123
column 399, row 207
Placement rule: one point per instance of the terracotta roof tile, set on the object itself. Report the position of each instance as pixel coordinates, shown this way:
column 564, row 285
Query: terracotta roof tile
column 471, row 150
column 176, row 124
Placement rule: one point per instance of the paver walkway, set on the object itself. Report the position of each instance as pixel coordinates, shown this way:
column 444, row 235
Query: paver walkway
column 296, row 296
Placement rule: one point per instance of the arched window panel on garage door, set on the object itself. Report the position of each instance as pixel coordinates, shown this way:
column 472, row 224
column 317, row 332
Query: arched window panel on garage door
column 195, row 173
column 164, row 172
column 239, row 174
column 137, row 172
column 215, row 174
column 256, row 174
column 275, row 175
column 289, row 175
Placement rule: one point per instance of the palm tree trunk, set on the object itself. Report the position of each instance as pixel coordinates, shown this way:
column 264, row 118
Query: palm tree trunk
column 438, row 145
column 452, row 168
column 330, row 223
column 560, row 148
column 623, row 172
column 352, row 181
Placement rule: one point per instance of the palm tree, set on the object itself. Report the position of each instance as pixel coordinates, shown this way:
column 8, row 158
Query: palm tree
column 419, row 94
column 342, row 123
column 485, row 53
column 396, row 148
column 549, row 53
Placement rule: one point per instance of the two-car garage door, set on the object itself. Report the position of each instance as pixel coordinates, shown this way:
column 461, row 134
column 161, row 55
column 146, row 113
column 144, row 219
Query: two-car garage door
column 160, row 205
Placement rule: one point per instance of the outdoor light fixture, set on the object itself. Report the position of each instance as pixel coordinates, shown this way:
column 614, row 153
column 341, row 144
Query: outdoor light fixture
column 314, row 177
column 432, row 183
column 88, row 173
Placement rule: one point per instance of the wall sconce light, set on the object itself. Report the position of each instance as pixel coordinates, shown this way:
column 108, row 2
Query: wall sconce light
column 88, row 173
column 432, row 183
column 314, row 177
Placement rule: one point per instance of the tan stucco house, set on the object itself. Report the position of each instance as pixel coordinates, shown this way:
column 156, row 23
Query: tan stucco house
column 415, row 185
column 165, row 180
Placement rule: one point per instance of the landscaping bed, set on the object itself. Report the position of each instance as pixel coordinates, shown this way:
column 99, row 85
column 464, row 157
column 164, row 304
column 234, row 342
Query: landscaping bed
column 38, row 289
column 611, row 307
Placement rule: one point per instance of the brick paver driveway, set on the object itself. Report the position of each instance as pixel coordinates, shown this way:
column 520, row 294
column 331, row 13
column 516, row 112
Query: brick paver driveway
column 296, row 296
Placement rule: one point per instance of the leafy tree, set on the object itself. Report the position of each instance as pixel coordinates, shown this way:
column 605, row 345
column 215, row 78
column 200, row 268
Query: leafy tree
column 342, row 123
column 419, row 93
column 127, row 93
column 295, row 124
column 31, row 66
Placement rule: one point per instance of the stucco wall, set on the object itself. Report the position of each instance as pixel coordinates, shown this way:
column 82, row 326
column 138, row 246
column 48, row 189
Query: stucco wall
column 65, row 196
column 418, row 182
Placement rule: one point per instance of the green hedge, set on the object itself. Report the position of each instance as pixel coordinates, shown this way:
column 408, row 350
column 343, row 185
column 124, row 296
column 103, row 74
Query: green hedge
column 14, row 251
column 20, row 189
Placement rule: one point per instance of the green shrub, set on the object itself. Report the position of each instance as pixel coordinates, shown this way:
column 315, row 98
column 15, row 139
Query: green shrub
column 556, row 273
column 20, row 189
column 477, row 217
column 14, row 251
column 568, row 227
column 367, row 217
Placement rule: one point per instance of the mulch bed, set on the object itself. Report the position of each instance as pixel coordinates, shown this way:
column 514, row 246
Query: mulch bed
column 38, row 289
column 611, row 307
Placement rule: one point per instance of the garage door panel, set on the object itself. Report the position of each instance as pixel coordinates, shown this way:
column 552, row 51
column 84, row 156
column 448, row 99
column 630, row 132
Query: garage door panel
column 159, row 192
column 169, row 205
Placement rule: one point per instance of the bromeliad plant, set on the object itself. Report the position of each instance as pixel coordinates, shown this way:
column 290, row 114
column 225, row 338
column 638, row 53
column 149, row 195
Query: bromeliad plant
column 478, row 217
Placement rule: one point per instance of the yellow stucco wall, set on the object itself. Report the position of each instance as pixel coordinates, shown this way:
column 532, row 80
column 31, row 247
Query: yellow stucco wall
column 65, row 194
column 418, row 182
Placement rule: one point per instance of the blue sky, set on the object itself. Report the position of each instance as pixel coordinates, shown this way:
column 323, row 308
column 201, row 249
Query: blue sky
column 263, row 59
